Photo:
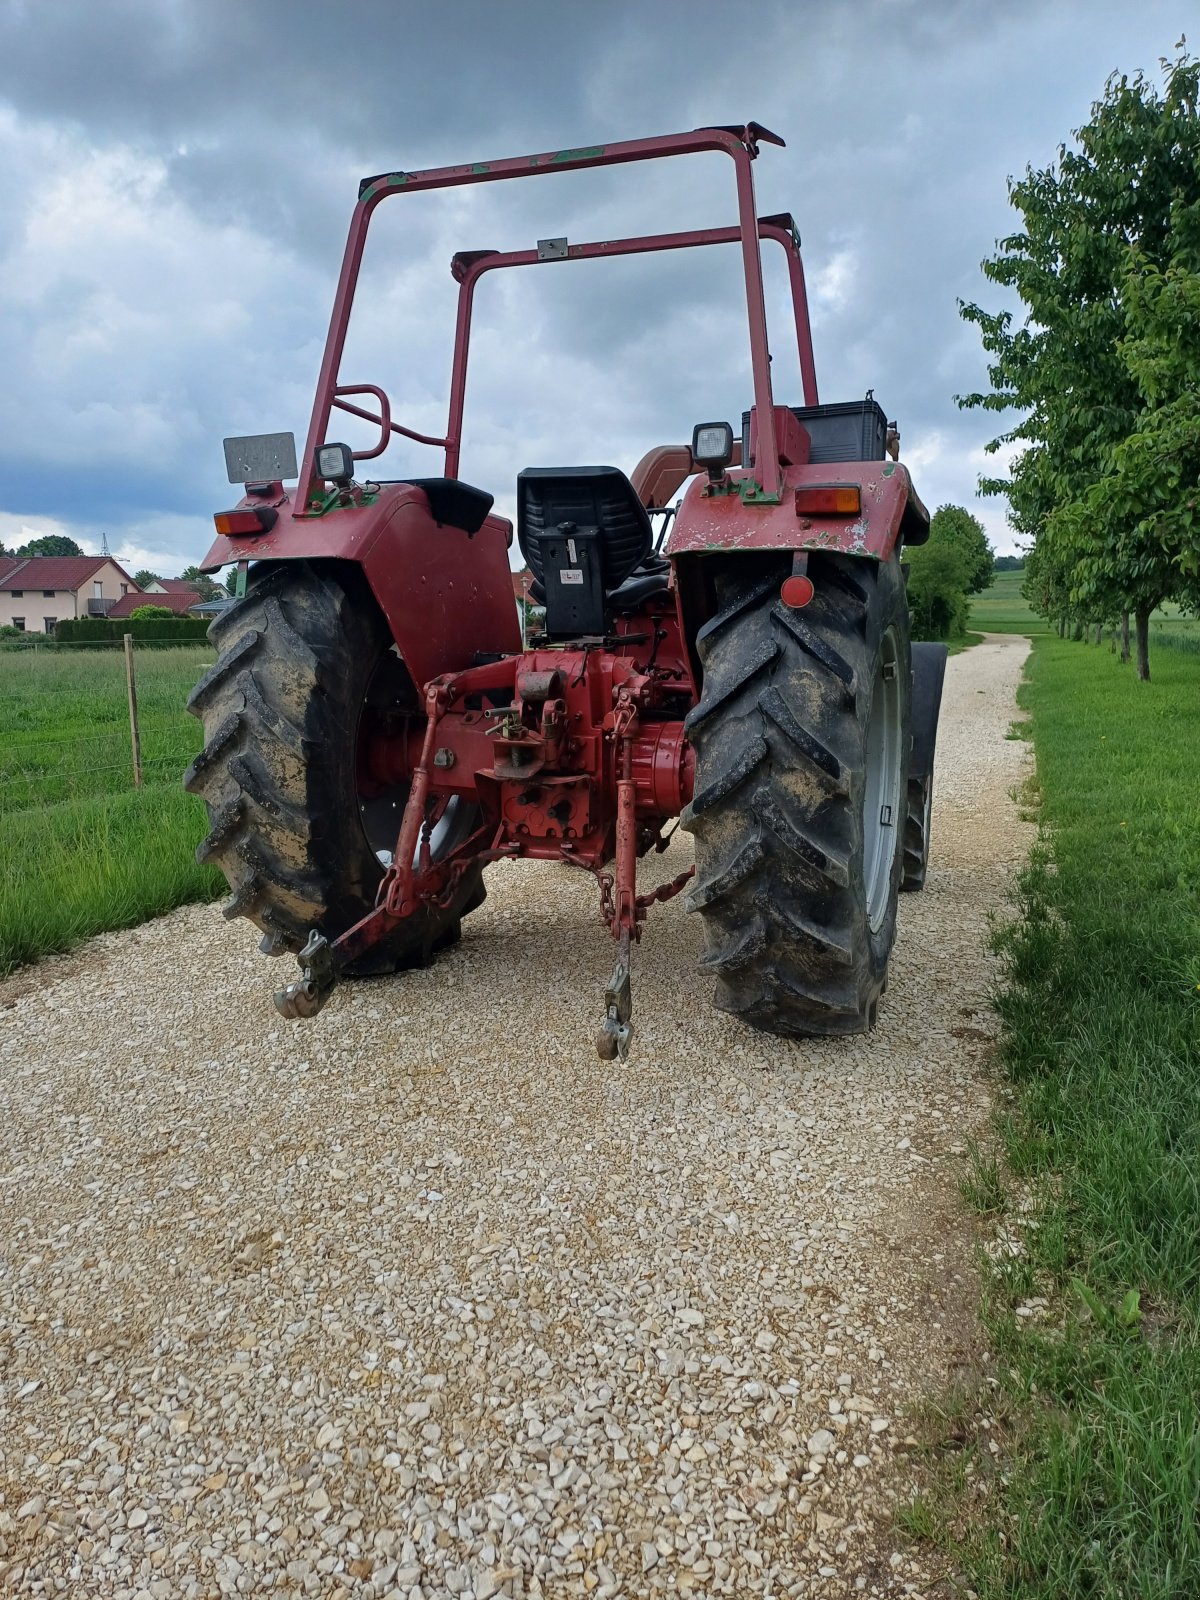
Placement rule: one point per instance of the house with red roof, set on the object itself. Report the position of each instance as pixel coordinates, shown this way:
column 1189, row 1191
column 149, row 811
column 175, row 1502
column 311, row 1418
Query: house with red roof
column 38, row 591
column 173, row 586
column 179, row 601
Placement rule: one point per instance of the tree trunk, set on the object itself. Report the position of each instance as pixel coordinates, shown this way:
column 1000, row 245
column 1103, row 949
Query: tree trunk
column 1099, row 632
column 1062, row 627
column 1141, row 622
column 1077, row 631
column 1125, row 636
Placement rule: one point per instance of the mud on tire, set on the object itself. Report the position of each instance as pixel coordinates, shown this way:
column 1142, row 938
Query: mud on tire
column 802, row 741
column 281, row 709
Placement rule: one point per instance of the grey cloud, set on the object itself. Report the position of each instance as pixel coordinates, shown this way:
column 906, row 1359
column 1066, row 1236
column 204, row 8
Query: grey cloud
column 130, row 350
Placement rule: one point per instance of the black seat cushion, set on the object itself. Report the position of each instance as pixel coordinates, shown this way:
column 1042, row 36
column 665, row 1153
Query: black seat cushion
column 600, row 498
column 639, row 588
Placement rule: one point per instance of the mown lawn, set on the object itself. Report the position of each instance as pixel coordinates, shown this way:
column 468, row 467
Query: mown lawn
column 81, row 850
column 1097, row 1489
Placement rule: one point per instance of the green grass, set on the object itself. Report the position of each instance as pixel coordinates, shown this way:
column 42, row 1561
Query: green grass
column 1003, row 609
column 64, row 721
column 81, row 850
column 1100, row 1483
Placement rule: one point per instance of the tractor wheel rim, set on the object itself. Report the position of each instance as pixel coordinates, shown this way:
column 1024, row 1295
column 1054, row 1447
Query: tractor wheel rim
column 881, row 797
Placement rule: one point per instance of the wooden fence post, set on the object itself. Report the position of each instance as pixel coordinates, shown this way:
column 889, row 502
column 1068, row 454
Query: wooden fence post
column 134, row 737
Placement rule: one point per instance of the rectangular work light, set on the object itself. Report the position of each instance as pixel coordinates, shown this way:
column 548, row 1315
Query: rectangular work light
column 335, row 463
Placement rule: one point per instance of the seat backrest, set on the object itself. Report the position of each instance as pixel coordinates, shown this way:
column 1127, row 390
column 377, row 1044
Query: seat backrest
column 585, row 498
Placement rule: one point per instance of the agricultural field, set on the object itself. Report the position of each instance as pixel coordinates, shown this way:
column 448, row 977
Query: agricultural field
column 81, row 850
column 1003, row 608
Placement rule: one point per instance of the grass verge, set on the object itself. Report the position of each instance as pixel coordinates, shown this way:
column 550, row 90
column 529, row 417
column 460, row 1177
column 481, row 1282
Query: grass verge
column 1095, row 1327
column 81, row 850
column 87, row 866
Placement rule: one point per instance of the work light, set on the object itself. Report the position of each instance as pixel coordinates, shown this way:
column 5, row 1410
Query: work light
column 712, row 446
column 335, row 463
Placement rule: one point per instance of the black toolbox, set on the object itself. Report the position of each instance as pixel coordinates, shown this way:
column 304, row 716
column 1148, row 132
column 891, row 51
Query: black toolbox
column 849, row 430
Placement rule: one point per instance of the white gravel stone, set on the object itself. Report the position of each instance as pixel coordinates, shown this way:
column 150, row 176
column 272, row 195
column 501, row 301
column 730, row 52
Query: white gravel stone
column 420, row 1298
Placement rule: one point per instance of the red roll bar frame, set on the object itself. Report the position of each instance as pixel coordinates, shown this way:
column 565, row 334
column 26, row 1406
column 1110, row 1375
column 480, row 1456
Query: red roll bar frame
column 741, row 144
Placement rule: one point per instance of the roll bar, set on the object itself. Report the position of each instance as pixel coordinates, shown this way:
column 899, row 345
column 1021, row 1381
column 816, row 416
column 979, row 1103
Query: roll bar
column 739, row 143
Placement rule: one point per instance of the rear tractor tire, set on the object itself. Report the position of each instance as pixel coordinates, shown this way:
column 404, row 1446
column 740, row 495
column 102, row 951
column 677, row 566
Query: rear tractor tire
column 802, row 739
column 306, row 659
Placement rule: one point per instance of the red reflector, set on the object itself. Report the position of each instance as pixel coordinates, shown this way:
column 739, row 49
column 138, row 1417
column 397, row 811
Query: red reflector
column 254, row 519
column 829, row 499
column 796, row 592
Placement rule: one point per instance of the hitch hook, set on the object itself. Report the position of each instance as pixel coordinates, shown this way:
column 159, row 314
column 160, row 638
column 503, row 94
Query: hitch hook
column 318, row 976
column 616, row 1031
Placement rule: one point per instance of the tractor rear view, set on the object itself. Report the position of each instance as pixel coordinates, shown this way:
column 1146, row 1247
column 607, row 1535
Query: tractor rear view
column 377, row 732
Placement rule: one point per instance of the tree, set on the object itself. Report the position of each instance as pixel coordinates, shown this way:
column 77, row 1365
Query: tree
column 49, row 544
column 938, row 575
column 1148, row 502
column 149, row 613
column 144, row 578
column 1112, row 212
column 207, row 588
column 955, row 525
column 1010, row 563
column 955, row 561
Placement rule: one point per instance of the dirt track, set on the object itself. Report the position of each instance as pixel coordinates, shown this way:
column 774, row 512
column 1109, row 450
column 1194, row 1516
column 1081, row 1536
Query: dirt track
column 419, row 1298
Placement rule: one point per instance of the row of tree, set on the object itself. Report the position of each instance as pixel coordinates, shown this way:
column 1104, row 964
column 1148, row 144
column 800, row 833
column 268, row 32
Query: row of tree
column 1104, row 364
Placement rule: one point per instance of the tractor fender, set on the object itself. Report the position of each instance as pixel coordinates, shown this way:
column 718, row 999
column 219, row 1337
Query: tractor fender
column 711, row 526
column 446, row 593
column 929, row 672
column 727, row 517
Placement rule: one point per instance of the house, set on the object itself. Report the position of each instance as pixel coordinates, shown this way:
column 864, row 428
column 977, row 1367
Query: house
column 173, row 586
column 180, row 601
column 179, row 595
column 38, row 591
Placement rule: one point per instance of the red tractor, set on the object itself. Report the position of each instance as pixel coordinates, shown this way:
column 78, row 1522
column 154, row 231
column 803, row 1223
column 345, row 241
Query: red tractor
column 376, row 732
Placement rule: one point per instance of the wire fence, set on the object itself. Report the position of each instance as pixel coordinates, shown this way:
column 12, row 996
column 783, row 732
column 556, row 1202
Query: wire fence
column 68, row 730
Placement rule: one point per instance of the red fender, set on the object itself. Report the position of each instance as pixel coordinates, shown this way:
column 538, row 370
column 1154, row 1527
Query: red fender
column 447, row 594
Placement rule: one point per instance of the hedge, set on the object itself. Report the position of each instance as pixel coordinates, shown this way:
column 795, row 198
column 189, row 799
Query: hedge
column 102, row 630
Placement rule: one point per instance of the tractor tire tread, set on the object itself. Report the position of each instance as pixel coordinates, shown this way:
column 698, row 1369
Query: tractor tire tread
column 283, row 812
column 780, row 741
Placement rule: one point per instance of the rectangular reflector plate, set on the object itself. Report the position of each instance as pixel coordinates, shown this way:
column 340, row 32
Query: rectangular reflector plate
column 261, row 458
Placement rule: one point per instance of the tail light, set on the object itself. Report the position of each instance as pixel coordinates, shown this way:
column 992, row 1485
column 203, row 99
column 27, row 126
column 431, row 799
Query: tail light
column 246, row 520
column 829, row 500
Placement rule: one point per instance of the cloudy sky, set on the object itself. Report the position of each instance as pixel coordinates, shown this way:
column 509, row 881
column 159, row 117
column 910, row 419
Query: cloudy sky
column 176, row 177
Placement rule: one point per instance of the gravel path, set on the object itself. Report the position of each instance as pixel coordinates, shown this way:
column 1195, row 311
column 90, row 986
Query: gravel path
column 419, row 1298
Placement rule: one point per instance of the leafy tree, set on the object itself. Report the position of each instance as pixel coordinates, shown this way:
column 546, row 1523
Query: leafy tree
column 1148, row 502
column 1103, row 228
column 149, row 613
column 1010, row 563
column 938, row 574
column 49, row 544
column 144, row 578
column 207, row 588
column 955, row 525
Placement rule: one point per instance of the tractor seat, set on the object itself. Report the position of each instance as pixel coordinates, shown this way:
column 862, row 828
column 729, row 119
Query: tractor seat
column 651, row 577
column 588, row 542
